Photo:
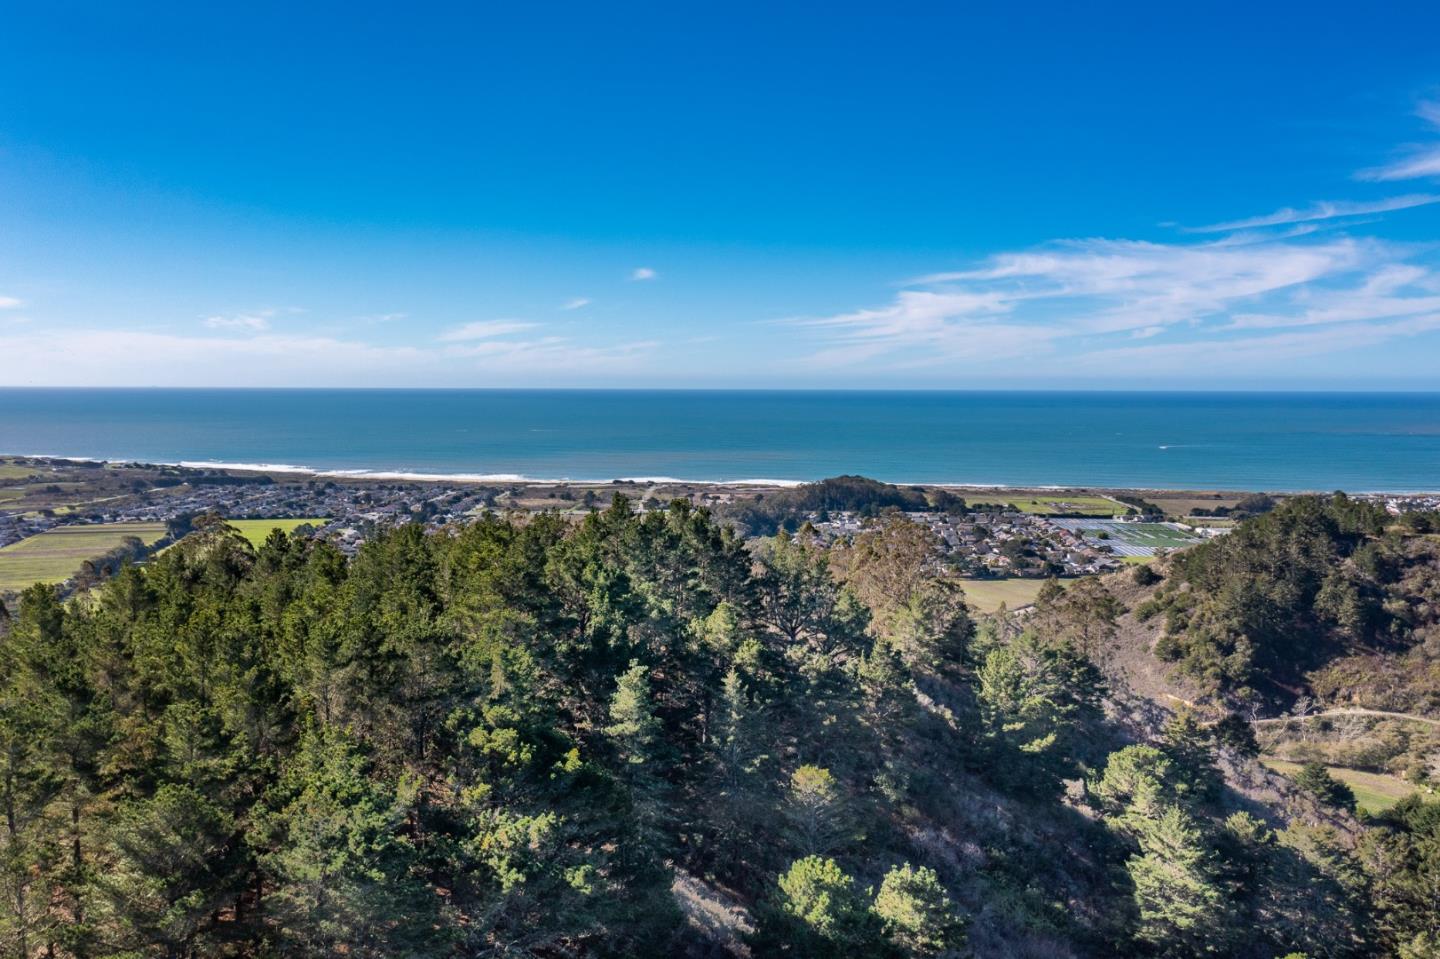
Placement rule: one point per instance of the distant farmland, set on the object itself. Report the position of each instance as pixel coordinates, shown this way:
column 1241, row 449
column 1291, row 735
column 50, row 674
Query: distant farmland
column 256, row 530
column 986, row 595
column 57, row 554
column 1131, row 539
column 1051, row 504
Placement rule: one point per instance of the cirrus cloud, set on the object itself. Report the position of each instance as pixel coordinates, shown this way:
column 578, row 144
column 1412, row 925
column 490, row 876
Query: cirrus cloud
column 1324, row 210
column 1082, row 301
column 485, row 329
column 1422, row 160
column 242, row 321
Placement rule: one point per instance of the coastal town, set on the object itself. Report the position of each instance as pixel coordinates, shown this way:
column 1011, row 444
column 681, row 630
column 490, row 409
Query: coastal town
column 1006, row 543
column 1069, row 535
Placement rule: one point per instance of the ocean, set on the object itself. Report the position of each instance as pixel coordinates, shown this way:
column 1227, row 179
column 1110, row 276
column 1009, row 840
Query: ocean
column 1275, row 441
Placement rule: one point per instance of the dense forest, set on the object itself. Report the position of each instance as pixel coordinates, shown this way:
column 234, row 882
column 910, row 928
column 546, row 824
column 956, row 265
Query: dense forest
column 640, row 735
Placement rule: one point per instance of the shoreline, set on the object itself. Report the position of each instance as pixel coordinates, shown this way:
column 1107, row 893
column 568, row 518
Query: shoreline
column 467, row 478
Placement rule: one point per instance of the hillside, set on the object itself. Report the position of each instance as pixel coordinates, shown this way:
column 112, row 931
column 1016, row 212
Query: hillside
column 638, row 735
column 1350, row 676
column 1326, row 599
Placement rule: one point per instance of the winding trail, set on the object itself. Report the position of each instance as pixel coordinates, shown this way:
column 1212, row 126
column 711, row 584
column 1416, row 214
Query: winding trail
column 1349, row 711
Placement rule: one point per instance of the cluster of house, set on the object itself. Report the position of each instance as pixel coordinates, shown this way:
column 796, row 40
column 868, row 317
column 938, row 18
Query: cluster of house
column 15, row 526
column 351, row 511
column 1008, row 543
column 1397, row 504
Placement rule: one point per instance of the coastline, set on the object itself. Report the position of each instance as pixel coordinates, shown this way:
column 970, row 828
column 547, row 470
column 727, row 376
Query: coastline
column 1158, row 441
column 288, row 470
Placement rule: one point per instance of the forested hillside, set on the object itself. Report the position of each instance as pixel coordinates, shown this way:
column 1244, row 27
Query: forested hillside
column 1259, row 616
column 640, row 736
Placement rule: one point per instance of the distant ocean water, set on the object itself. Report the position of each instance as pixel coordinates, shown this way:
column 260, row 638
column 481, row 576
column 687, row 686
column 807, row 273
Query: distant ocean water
column 1278, row 441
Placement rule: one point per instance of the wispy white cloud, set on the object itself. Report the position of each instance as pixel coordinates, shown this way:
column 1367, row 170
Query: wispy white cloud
column 1095, row 298
column 575, row 303
column 1324, row 210
column 1422, row 163
column 10, row 303
column 643, row 273
column 1391, row 291
column 100, row 357
column 552, row 353
column 1423, row 160
column 1255, row 354
column 485, row 329
column 257, row 321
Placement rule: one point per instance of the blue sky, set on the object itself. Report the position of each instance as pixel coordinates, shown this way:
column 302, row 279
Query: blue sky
column 717, row 195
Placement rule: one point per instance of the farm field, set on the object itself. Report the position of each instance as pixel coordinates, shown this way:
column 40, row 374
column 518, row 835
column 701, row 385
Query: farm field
column 1374, row 792
column 1053, row 503
column 986, row 595
column 56, row 554
column 1214, row 522
column 256, row 530
column 1180, row 504
column 1131, row 539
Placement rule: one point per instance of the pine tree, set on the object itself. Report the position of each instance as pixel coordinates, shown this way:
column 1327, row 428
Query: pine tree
column 917, row 914
column 1182, row 910
column 635, row 735
column 49, row 701
column 339, row 872
column 822, row 912
column 816, row 809
column 1316, row 780
column 1033, row 697
column 736, row 749
column 173, row 869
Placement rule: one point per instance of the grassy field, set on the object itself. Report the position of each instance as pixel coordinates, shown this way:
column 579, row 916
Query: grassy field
column 986, row 595
column 256, row 530
column 1214, row 522
column 10, row 471
column 1075, row 505
column 1374, row 792
column 1180, row 504
column 56, row 554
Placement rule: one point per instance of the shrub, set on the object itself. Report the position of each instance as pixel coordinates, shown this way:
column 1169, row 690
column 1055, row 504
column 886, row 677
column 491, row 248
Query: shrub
column 1145, row 575
column 1149, row 609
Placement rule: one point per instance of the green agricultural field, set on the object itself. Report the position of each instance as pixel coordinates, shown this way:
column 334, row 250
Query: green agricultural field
column 1374, row 792
column 1155, row 534
column 11, row 471
column 1056, row 504
column 256, row 530
column 986, row 595
column 56, row 554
